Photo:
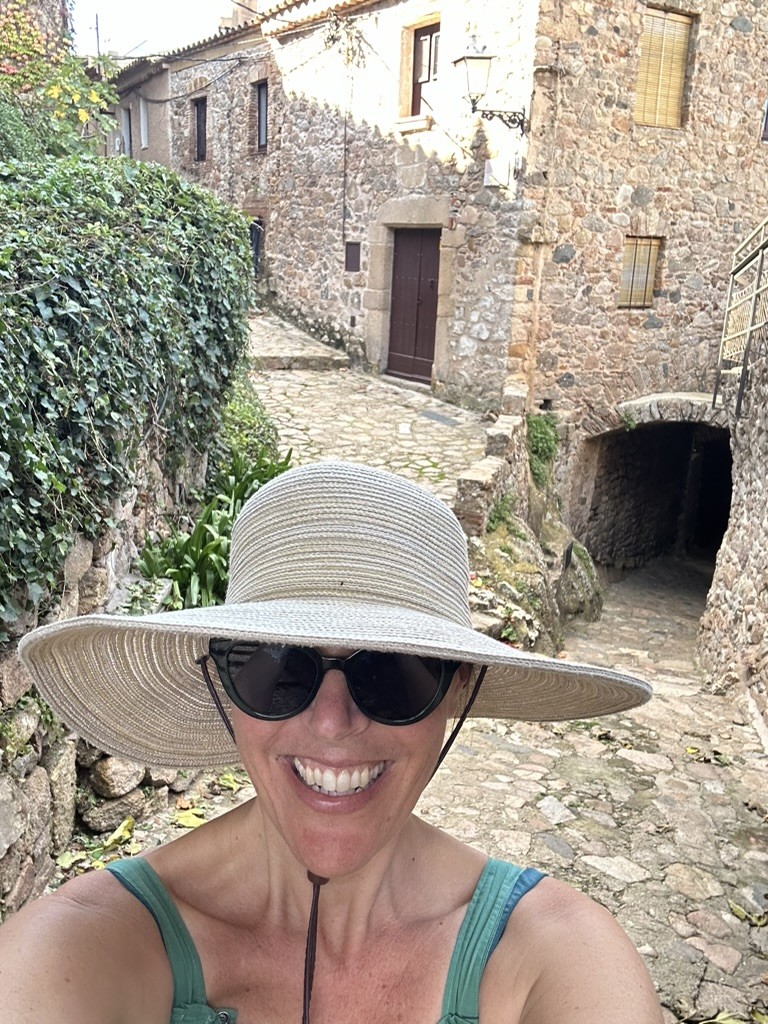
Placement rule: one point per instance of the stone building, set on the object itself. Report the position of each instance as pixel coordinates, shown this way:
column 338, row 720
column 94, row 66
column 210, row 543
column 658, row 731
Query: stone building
column 558, row 238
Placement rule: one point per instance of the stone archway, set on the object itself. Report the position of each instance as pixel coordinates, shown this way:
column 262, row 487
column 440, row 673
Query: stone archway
column 659, row 483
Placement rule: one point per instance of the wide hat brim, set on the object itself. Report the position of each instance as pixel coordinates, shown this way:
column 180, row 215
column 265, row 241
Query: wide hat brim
column 131, row 685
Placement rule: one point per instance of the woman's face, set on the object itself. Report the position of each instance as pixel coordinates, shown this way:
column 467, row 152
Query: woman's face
column 334, row 784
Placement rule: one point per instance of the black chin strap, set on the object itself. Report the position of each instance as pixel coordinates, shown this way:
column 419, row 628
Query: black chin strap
column 309, row 955
column 462, row 718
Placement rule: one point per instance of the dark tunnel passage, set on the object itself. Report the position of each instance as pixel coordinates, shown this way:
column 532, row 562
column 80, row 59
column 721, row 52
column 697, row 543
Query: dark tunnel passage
column 658, row 489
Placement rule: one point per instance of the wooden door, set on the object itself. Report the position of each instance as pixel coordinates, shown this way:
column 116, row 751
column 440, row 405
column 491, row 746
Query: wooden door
column 414, row 303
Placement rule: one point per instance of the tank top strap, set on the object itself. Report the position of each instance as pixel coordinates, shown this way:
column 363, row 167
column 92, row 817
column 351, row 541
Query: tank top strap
column 189, row 1001
column 500, row 887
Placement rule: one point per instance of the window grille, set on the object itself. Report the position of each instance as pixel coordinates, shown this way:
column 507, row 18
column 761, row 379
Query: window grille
column 661, row 73
column 638, row 272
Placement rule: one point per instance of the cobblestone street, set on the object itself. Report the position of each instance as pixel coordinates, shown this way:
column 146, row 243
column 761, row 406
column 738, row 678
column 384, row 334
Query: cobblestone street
column 660, row 814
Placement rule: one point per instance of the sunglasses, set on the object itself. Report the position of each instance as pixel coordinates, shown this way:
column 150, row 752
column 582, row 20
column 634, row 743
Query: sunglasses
column 276, row 681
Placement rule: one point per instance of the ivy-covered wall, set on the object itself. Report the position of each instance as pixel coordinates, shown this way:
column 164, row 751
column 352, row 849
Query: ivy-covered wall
column 123, row 299
column 124, row 294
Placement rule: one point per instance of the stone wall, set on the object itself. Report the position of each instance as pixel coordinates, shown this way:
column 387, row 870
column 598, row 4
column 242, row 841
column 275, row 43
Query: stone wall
column 44, row 774
column 734, row 638
column 225, row 75
column 638, row 495
column 594, row 176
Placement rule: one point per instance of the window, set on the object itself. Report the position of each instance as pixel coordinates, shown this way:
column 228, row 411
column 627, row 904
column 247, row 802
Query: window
column 661, row 74
column 638, row 272
column 260, row 107
column 199, row 127
column 143, row 122
column 352, row 256
column 426, row 45
column 125, row 131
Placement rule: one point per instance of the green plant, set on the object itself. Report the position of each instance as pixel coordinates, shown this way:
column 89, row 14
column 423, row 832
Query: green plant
column 124, row 292
column 197, row 561
column 628, row 420
column 542, row 445
column 247, row 437
column 51, row 102
column 502, row 513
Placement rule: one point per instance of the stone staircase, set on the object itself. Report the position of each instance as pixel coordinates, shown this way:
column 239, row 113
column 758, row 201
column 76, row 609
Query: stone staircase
column 274, row 344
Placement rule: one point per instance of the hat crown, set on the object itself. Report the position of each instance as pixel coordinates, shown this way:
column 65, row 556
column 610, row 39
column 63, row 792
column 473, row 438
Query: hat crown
column 340, row 531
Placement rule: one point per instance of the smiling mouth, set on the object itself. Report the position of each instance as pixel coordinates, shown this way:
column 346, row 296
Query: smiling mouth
column 344, row 782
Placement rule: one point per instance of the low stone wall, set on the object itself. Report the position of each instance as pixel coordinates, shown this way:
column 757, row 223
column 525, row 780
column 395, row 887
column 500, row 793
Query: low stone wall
column 734, row 628
column 46, row 776
column 503, row 470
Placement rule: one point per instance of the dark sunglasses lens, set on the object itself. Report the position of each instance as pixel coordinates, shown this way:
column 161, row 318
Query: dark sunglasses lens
column 396, row 687
column 272, row 680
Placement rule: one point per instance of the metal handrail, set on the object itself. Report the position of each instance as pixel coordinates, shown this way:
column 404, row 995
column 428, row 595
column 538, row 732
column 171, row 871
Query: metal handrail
column 746, row 310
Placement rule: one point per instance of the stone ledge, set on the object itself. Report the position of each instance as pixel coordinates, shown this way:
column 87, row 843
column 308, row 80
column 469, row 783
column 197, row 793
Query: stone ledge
column 477, row 489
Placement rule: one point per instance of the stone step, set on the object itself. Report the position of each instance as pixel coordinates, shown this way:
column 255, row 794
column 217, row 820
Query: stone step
column 274, row 344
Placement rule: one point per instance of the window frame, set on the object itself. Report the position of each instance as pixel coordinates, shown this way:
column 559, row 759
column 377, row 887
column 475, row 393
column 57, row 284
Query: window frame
column 143, row 123
column 430, row 31
column 638, row 291
column 260, row 95
column 352, row 257
column 200, row 120
column 663, row 68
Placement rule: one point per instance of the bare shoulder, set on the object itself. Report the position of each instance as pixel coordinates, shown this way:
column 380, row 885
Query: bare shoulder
column 75, row 956
column 563, row 957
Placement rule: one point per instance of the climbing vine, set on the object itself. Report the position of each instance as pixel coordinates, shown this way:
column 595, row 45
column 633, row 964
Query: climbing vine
column 123, row 300
column 51, row 101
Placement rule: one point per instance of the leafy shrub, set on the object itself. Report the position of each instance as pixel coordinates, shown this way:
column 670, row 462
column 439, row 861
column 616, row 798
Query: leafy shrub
column 123, row 299
column 542, row 445
column 50, row 101
column 247, row 436
column 196, row 561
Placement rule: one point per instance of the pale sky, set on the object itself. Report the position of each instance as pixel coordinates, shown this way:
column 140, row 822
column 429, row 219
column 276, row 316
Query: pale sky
column 136, row 28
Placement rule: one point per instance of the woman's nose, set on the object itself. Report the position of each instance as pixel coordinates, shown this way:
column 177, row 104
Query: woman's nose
column 333, row 713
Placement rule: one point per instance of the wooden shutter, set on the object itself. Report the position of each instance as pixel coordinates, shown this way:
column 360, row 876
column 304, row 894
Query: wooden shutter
column 661, row 73
column 426, row 43
column 638, row 272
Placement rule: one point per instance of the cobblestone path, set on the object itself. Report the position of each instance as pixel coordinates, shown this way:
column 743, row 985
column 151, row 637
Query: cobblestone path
column 659, row 814
column 346, row 414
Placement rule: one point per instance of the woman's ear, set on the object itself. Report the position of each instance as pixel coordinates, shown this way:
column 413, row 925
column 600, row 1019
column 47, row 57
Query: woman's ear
column 459, row 691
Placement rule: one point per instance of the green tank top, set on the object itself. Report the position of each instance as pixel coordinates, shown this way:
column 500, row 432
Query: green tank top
column 500, row 887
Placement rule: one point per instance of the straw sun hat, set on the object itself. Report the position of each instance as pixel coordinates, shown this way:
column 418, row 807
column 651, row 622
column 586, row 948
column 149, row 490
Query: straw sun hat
column 331, row 554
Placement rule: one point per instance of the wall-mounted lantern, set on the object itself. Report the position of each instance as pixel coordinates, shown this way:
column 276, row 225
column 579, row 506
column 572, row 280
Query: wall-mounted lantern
column 477, row 66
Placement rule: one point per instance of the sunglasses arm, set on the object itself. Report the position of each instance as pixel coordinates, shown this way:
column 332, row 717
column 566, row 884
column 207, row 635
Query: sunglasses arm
column 203, row 663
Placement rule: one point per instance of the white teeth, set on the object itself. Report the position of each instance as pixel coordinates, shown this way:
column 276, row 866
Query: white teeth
column 331, row 783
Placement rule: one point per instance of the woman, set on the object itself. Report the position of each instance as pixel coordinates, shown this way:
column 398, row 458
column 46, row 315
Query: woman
column 343, row 650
